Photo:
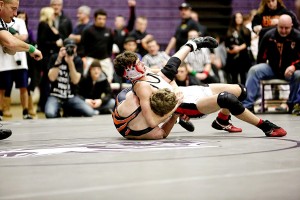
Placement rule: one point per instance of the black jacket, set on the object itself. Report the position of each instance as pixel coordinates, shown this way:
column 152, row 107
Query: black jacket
column 281, row 52
column 264, row 19
column 100, row 90
column 65, row 27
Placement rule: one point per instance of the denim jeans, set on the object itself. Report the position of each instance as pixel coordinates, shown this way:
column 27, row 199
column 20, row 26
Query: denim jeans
column 263, row 71
column 108, row 106
column 72, row 107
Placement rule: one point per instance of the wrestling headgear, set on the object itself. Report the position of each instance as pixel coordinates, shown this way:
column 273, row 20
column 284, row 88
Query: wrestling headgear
column 135, row 72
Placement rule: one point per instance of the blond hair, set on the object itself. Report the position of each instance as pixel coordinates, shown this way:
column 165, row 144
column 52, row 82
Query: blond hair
column 46, row 15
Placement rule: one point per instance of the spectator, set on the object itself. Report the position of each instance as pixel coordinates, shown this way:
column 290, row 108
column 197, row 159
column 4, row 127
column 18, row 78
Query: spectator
column 280, row 47
column 218, row 58
column 17, row 71
column 296, row 96
column 237, row 41
column 97, row 41
column 140, row 34
column 199, row 63
column 122, row 30
column 254, row 37
column 96, row 90
column 65, row 72
column 181, row 34
column 297, row 6
column 184, row 78
column 155, row 59
column 131, row 45
column 267, row 16
column 202, row 28
column 61, row 22
column 49, row 41
column 83, row 19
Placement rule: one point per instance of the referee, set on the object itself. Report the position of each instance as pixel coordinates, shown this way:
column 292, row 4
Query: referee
column 9, row 45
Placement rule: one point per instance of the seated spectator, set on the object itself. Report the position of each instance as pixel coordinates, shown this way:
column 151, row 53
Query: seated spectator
column 65, row 71
column 278, row 57
column 184, row 78
column 199, row 63
column 155, row 58
column 96, row 90
column 131, row 45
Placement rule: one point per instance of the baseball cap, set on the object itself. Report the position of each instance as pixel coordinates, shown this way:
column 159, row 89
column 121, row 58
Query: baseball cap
column 185, row 5
column 129, row 39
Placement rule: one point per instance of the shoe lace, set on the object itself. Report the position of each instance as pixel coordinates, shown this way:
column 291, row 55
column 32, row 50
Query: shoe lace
column 228, row 126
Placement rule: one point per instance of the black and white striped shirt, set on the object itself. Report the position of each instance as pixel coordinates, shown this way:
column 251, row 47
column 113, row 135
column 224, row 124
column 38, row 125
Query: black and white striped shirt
column 3, row 25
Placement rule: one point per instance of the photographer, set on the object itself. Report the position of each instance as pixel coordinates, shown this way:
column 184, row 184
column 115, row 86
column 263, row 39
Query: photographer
column 64, row 74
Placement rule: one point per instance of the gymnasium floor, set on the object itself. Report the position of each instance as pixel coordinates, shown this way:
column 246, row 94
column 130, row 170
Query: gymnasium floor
column 85, row 158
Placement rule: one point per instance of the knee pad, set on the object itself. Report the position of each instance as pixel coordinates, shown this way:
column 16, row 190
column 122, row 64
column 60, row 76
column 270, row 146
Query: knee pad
column 231, row 102
column 171, row 68
column 243, row 94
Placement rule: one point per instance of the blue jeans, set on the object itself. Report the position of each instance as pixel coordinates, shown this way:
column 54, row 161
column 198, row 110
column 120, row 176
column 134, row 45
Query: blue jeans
column 263, row 71
column 108, row 106
column 72, row 107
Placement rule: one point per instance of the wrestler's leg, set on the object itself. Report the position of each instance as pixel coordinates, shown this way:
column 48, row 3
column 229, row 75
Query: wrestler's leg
column 229, row 101
column 223, row 118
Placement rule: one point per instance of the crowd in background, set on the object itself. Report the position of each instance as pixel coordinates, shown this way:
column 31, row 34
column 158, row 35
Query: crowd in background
column 76, row 76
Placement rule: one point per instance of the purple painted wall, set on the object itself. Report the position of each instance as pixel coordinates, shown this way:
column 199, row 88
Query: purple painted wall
column 163, row 15
column 245, row 6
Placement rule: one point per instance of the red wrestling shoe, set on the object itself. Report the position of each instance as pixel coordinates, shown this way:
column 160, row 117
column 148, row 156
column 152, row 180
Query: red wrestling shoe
column 228, row 127
column 272, row 130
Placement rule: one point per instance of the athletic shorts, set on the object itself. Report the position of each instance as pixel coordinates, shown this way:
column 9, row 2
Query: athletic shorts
column 20, row 77
column 191, row 95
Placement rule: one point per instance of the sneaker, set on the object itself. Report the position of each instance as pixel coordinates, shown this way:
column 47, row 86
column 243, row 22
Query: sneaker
column 5, row 133
column 206, row 42
column 296, row 109
column 27, row 116
column 187, row 125
column 272, row 130
column 229, row 127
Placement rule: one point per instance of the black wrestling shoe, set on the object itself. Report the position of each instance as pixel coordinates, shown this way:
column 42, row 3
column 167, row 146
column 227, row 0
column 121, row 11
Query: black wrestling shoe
column 187, row 125
column 5, row 133
column 272, row 130
column 206, row 42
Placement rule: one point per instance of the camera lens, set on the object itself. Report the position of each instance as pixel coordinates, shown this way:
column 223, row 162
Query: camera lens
column 70, row 50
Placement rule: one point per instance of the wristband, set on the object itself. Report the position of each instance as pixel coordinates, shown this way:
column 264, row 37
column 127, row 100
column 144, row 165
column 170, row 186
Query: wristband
column 193, row 73
column 206, row 72
column 31, row 49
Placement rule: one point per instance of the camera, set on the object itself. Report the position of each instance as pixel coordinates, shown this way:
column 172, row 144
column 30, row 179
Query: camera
column 70, row 50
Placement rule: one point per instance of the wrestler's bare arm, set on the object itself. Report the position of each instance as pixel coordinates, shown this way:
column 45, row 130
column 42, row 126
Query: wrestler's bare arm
column 143, row 90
